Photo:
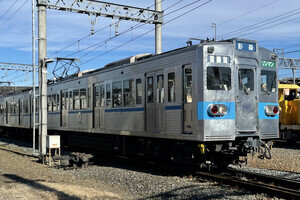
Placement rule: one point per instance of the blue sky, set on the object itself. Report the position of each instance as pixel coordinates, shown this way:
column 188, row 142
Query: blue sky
column 273, row 23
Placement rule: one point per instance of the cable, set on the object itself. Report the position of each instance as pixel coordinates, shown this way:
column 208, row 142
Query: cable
column 8, row 9
column 14, row 13
column 292, row 52
column 146, row 32
column 291, row 46
column 264, row 22
column 270, row 26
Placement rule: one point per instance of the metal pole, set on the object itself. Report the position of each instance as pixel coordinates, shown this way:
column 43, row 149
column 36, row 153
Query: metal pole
column 33, row 76
column 294, row 81
column 158, row 29
column 42, row 79
column 215, row 26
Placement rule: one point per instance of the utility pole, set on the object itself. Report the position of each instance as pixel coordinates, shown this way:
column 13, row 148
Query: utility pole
column 158, row 30
column 33, row 76
column 42, row 35
column 215, row 26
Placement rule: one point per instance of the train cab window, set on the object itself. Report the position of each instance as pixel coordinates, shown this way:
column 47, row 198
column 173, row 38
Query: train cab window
column 246, row 79
column 171, row 87
column 117, row 94
column 83, row 99
column 108, row 95
column 160, row 89
column 268, row 81
column 128, row 94
column 139, row 95
column 76, row 100
column 218, row 78
column 188, row 85
column 150, row 94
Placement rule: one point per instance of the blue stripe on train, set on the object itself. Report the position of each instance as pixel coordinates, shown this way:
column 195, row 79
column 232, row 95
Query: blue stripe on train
column 202, row 113
column 261, row 111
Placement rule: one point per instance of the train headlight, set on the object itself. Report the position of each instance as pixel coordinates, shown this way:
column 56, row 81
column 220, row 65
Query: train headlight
column 217, row 110
column 271, row 110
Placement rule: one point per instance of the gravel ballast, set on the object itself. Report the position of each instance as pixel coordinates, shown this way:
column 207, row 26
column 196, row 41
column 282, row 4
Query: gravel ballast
column 21, row 177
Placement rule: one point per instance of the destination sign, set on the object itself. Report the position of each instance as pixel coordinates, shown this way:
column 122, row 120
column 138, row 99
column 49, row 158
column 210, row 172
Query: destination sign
column 270, row 64
column 246, row 46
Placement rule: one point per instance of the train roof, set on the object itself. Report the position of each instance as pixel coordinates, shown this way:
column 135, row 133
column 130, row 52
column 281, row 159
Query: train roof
column 288, row 86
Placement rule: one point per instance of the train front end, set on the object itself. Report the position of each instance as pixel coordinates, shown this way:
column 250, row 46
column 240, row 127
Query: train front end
column 238, row 109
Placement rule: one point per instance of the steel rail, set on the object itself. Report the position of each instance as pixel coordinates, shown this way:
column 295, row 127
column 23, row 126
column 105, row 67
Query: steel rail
column 283, row 191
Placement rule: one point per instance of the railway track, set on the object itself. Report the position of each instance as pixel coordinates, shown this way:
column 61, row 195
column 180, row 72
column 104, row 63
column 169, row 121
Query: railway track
column 260, row 183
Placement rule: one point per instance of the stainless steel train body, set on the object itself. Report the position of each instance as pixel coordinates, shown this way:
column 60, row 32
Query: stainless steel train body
column 219, row 96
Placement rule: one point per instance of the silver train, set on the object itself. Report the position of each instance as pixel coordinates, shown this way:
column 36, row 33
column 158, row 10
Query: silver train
column 212, row 102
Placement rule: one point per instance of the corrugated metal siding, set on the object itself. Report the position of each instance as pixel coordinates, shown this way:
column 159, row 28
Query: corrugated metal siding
column 173, row 121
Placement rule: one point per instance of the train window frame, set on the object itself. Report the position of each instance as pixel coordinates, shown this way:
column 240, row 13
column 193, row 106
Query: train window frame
column 108, row 95
column 76, row 99
column 246, row 83
column 160, row 93
column 96, row 95
column 49, row 103
column 150, row 90
column 269, row 76
column 139, row 91
column 54, row 103
column 171, row 87
column 188, row 85
column 70, row 100
column 83, row 99
column 102, row 95
column 117, row 94
column 218, row 81
column 128, row 93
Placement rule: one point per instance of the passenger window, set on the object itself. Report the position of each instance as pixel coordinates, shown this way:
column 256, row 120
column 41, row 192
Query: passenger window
column 188, row 85
column 57, row 102
column 139, row 96
column 71, row 100
column 218, row 78
column 96, row 95
column 246, row 79
column 63, row 101
column 150, row 94
column 53, row 100
column 128, row 93
column 117, row 94
column 160, row 89
column 268, row 81
column 49, row 103
column 83, row 99
column 76, row 100
column 108, row 96
column 171, row 87
column 102, row 97
column 67, row 100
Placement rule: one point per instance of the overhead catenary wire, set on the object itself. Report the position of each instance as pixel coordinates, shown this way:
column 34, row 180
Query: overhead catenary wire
column 89, row 35
column 261, row 23
column 14, row 13
column 99, row 44
column 8, row 9
column 239, row 16
column 147, row 32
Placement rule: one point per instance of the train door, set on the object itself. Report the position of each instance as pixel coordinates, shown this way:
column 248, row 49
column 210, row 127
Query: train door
column 64, row 108
column 187, row 99
column 246, row 99
column 155, row 108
